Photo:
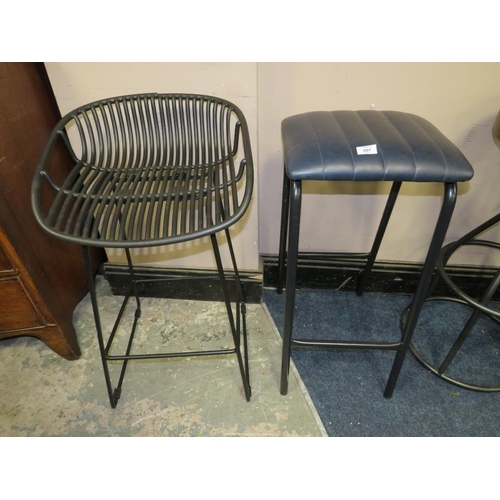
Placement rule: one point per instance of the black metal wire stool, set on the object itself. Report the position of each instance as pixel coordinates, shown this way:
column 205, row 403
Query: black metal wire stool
column 479, row 306
column 150, row 170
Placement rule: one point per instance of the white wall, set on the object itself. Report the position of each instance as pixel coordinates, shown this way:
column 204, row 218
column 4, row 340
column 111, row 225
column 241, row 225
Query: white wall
column 461, row 99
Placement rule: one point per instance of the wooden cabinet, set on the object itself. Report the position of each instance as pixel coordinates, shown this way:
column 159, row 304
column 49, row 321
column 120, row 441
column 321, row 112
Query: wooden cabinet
column 23, row 310
column 19, row 312
column 41, row 278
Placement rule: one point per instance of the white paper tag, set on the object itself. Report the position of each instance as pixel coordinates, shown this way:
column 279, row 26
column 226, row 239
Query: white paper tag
column 367, row 150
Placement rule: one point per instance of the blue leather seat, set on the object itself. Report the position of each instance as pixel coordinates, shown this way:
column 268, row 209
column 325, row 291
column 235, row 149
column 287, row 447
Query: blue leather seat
column 324, row 146
column 364, row 145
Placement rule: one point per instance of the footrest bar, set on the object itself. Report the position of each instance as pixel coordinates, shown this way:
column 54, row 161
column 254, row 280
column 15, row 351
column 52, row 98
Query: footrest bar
column 348, row 344
column 342, row 255
column 169, row 355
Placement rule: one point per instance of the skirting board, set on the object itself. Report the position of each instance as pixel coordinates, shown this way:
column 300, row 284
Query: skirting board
column 188, row 284
column 340, row 271
column 314, row 271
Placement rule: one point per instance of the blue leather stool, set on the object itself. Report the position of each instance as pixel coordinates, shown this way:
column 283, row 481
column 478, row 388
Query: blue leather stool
column 364, row 145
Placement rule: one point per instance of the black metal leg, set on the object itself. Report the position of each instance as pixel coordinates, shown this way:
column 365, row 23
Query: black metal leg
column 488, row 294
column 291, row 278
column 133, row 286
column 363, row 277
column 100, row 338
column 240, row 309
column 479, row 307
column 236, row 330
column 104, row 348
column 434, row 282
column 450, row 194
column 283, row 232
column 133, row 281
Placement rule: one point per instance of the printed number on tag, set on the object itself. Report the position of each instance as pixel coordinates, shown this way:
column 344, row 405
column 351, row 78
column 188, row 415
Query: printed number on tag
column 367, row 150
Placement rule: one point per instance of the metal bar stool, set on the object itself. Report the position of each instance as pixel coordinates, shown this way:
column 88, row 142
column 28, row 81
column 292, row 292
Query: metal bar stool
column 150, row 170
column 479, row 306
column 363, row 146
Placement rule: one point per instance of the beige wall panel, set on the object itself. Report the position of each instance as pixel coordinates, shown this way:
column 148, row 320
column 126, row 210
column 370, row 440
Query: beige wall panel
column 461, row 99
column 76, row 84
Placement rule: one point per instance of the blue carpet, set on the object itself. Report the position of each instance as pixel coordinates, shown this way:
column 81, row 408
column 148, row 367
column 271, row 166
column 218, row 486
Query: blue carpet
column 346, row 386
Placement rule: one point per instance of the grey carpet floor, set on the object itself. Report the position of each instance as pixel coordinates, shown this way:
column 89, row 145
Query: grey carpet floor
column 43, row 394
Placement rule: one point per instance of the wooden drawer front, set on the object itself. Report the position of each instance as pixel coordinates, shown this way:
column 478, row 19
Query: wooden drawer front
column 16, row 309
column 6, row 266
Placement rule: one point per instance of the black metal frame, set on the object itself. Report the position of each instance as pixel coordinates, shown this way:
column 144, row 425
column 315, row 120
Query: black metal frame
column 238, row 328
column 479, row 307
column 288, row 252
column 154, row 169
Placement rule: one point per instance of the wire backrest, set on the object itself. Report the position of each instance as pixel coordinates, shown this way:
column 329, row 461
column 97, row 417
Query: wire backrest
column 151, row 129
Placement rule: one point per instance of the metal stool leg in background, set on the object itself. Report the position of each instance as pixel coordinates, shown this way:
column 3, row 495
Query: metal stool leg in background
column 363, row 277
column 285, row 211
column 480, row 307
column 485, row 299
